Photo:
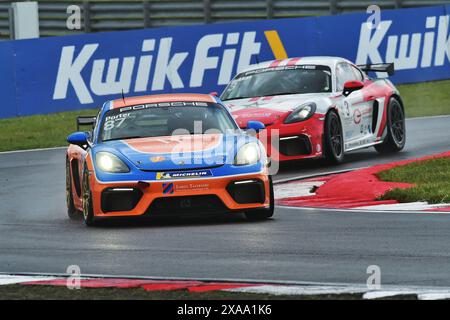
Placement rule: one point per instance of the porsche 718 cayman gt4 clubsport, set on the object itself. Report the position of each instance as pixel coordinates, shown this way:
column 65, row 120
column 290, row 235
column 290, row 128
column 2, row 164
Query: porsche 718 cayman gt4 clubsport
column 318, row 107
column 166, row 154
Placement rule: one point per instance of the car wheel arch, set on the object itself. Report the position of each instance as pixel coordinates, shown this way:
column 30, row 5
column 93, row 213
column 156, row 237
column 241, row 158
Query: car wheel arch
column 326, row 146
column 399, row 99
column 335, row 110
column 74, row 177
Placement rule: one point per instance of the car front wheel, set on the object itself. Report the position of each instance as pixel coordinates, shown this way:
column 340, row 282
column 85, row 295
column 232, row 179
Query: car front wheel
column 72, row 212
column 262, row 214
column 88, row 210
column 396, row 131
column 333, row 139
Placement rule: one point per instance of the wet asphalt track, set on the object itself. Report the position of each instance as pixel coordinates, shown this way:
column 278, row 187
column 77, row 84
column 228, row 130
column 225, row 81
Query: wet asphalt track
column 297, row 245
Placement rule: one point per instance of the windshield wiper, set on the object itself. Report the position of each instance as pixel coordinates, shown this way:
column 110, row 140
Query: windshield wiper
column 124, row 138
column 235, row 98
column 279, row 94
column 266, row 95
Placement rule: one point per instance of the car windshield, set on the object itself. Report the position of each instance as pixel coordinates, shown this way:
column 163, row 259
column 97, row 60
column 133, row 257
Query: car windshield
column 279, row 81
column 165, row 119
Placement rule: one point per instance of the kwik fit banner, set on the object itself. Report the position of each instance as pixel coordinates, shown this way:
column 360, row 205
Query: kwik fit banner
column 83, row 71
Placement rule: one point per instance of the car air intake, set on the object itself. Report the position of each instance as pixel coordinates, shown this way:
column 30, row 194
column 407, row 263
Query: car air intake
column 120, row 199
column 185, row 205
column 247, row 191
column 295, row 145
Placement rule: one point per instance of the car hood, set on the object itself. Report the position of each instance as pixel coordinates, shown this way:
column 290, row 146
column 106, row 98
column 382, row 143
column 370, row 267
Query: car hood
column 179, row 152
column 268, row 109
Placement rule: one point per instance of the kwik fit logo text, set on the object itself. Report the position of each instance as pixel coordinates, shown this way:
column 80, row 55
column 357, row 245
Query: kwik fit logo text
column 156, row 68
column 430, row 48
column 159, row 67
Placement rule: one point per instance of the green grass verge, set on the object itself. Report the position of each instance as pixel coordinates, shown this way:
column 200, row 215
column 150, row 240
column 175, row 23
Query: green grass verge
column 432, row 179
column 44, row 131
column 426, row 99
column 40, row 131
column 39, row 292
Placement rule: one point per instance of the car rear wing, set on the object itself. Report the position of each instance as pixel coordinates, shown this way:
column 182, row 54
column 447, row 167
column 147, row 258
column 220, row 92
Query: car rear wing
column 86, row 121
column 378, row 67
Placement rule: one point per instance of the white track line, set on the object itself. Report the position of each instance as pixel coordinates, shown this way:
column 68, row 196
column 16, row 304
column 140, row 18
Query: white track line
column 387, row 293
column 429, row 117
column 423, row 293
column 265, row 286
column 33, row 150
column 408, row 206
column 13, row 279
column 433, row 296
column 296, row 189
column 316, row 175
column 256, row 281
column 300, row 290
column 359, row 211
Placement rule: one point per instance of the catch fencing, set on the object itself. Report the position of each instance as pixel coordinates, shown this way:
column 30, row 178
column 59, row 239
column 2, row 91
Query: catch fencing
column 83, row 71
column 100, row 15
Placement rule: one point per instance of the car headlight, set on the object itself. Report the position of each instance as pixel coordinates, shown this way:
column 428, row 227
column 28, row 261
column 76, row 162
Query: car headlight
column 249, row 153
column 108, row 162
column 302, row 113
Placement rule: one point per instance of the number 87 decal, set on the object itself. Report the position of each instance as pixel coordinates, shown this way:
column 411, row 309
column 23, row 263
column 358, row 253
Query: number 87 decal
column 113, row 123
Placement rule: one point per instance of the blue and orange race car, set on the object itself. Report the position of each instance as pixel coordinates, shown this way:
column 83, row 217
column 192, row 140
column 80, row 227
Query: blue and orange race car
column 166, row 154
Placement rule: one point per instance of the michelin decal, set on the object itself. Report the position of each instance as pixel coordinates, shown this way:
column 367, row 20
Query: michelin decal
column 183, row 174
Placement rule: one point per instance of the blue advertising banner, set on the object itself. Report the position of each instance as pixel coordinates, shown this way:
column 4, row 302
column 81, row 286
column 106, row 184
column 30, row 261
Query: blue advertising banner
column 8, row 106
column 83, row 71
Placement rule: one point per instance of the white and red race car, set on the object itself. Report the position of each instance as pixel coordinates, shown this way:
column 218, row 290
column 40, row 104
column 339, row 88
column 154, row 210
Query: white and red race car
column 318, row 107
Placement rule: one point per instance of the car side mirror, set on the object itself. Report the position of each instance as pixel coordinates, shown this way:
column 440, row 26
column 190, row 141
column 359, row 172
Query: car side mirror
column 255, row 125
column 214, row 94
column 351, row 86
column 78, row 138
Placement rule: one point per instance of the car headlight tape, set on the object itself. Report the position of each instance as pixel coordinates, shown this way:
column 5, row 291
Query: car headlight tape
column 301, row 113
column 249, row 153
column 108, row 162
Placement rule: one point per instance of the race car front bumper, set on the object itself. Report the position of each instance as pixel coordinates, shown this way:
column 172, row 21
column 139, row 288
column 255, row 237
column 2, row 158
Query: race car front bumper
column 221, row 194
column 294, row 141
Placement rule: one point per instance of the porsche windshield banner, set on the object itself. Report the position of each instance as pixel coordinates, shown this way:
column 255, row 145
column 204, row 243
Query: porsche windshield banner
column 83, row 71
